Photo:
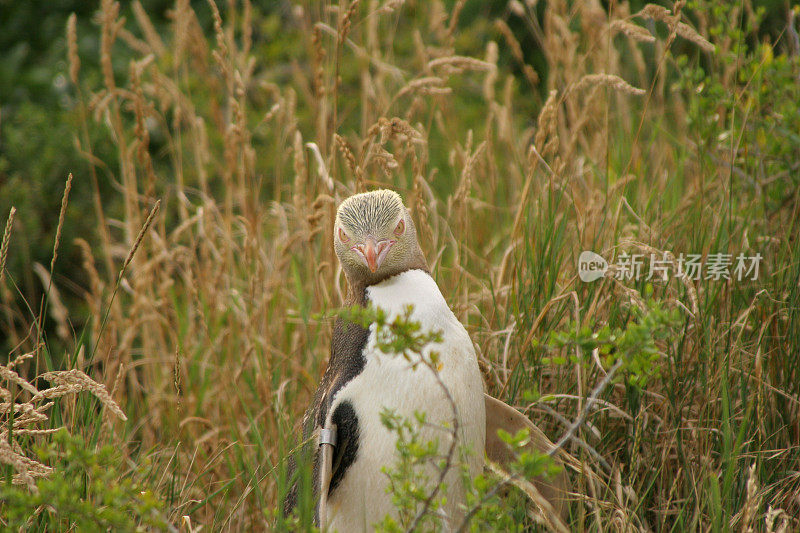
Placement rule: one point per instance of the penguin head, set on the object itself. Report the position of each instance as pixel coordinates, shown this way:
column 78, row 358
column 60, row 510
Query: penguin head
column 374, row 237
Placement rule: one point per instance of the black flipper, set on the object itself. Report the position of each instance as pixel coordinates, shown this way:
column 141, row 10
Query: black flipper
column 346, row 449
column 346, row 362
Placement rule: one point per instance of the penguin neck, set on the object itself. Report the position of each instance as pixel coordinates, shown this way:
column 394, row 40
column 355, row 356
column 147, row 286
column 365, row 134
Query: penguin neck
column 357, row 286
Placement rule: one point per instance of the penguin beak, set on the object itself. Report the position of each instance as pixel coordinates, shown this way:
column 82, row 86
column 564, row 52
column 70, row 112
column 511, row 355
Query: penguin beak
column 373, row 252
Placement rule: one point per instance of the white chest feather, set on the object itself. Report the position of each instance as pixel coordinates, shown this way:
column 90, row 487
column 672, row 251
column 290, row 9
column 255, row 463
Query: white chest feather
column 389, row 381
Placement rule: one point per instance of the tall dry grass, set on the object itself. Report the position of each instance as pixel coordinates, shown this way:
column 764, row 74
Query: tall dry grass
column 209, row 335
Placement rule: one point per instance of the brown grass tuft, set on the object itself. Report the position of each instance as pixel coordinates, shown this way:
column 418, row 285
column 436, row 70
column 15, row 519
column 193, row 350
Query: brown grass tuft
column 77, row 381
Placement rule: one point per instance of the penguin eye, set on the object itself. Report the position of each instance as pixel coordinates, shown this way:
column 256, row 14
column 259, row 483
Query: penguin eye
column 401, row 227
column 343, row 236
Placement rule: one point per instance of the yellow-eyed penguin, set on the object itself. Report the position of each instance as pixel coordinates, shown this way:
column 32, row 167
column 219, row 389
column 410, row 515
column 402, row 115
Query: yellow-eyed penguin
column 376, row 242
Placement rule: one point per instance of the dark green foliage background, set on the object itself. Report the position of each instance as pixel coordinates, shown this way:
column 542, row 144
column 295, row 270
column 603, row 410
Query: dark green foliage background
column 39, row 115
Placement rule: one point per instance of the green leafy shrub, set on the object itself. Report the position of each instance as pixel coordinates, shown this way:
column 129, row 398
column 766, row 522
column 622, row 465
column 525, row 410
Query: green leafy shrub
column 89, row 489
column 633, row 346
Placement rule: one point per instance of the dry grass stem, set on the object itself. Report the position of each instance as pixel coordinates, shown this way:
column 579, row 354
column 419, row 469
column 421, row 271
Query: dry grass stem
column 4, row 243
column 461, row 62
column 61, row 214
column 608, row 80
column 139, row 238
column 54, row 302
column 663, row 14
column 637, row 33
column 72, row 49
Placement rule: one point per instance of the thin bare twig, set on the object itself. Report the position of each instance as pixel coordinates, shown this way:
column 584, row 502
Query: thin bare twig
column 570, row 433
column 450, row 451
